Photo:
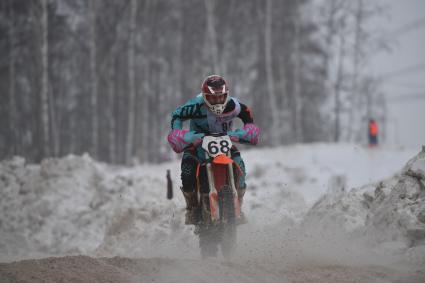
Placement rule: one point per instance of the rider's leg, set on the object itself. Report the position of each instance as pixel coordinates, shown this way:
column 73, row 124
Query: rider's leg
column 239, row 161
column 188, row 176
column 242, row 185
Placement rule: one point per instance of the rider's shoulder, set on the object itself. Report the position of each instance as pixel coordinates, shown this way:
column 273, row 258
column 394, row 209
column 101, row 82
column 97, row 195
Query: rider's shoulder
column 235, row 100
column 232, row 107
column 195, row 100
column 199, row 99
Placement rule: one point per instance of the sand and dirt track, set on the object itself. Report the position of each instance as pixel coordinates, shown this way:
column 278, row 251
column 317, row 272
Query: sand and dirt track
column 117, row 269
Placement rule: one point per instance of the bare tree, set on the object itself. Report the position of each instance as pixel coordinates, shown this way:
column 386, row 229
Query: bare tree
column 275, row 130
column 211, row 41
column 332, row 7
column 45, row 79
column 356, row 64
column 297, row 94
column 143, row 113
column 339, row 83
column 12, row 81
column 111, row 116
column 93, row 78
column 347, row 80
column 131, row 82
column 178, row 64
column 147, row 57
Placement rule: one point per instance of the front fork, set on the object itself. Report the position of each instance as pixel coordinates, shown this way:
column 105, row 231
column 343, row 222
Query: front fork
column 213, row 194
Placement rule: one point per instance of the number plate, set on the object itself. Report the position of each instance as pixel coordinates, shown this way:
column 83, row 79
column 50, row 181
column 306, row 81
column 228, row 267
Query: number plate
column 216, row 145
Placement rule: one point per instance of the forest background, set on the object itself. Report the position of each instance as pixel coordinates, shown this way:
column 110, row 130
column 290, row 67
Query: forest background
column 104, row 76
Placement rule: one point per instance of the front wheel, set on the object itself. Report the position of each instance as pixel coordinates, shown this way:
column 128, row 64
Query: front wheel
column 208, row 241
column 208, row 232
column 228, row 221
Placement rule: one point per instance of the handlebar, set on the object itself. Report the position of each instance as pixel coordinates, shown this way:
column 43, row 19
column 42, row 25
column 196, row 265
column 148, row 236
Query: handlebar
column 215, row 134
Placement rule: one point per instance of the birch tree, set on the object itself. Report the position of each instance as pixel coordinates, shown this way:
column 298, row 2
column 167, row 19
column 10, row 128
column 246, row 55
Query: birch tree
column 272, row 50
column 12, row 81
column 332, row 8
column 338, row 84
column 111, row 116
column 131, row 81
column 45, row 78
column 275, row 128
column 211, row 42
column 297, row 99
column 93, row 78
column 356, row 65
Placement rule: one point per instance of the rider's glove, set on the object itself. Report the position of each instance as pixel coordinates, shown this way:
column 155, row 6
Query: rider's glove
column 193, row 137
column 179, row 139
column 250, row 133
column 236, row 134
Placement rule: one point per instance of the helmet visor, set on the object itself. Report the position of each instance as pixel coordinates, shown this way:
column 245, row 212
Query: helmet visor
column 215, row 99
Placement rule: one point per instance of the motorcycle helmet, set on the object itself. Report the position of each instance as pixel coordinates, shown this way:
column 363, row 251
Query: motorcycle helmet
column 215, row 93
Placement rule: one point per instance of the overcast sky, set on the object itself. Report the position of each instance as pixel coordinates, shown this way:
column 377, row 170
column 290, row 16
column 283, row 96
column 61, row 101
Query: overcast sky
column 404, row 69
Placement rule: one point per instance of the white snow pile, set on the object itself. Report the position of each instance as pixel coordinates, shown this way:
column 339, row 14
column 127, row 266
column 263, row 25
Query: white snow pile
column 72, row 204
column 75, row 205
column 285, row 182
column 390, row 214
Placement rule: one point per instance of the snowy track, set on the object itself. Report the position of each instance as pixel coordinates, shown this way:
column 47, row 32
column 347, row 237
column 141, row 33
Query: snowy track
column 75, row 206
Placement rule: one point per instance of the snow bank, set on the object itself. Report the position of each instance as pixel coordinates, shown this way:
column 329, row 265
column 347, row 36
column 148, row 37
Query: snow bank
column 71, row 205
column 389, row 213
column 284, row 182
column 74, row 205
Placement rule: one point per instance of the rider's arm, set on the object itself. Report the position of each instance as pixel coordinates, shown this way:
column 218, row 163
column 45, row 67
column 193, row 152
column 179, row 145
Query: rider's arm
column 250, row 132
column 246, row 114
column 177, row 119
column 178, row 138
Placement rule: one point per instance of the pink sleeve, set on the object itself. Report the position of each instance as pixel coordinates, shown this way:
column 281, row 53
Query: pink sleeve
column 176, row 140
column 252, row 133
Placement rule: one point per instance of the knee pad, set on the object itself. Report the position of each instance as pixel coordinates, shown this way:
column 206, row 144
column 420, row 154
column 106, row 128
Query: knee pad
column 188, row 173
column 241, row 164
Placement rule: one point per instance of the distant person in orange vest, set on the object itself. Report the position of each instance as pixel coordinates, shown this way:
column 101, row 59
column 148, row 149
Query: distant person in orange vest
column 373, row 133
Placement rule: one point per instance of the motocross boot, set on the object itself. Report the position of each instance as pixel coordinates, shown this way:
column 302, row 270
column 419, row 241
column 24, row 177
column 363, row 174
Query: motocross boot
column 192, row 208
column 205, row 209
column 242, row 219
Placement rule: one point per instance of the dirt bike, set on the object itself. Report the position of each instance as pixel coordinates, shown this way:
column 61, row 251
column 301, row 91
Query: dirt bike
column 219, row 206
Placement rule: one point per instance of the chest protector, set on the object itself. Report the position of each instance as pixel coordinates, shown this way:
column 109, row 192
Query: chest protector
column 223, row 123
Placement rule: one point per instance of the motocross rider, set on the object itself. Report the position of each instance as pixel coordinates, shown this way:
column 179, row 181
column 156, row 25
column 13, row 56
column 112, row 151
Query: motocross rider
column 212, row 111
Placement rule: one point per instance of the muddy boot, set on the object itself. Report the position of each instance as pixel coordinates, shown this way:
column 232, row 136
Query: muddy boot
column 242, row 219
column 192, row 208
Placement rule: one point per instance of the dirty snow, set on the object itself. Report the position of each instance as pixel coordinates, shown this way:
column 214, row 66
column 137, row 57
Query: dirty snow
column 305, row 203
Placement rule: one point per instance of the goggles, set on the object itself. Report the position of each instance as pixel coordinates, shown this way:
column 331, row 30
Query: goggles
column 214, row 99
